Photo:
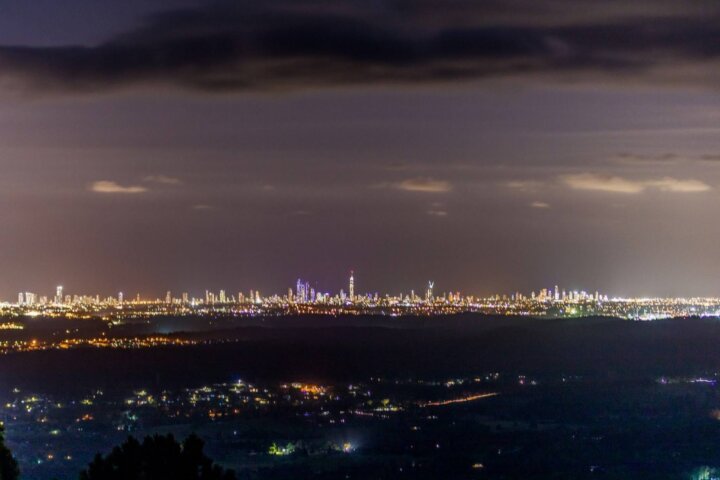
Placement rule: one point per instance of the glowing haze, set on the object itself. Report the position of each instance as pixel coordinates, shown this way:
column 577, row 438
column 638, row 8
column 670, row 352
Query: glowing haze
column 489, row 146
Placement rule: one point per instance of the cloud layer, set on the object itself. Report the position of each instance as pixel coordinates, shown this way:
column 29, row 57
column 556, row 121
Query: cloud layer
column 616, row 184
column 424, row 185
column 110, row 187
column 163, row 180
column 249, row 45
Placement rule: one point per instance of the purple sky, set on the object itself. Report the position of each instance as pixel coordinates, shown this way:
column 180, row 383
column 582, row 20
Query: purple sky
column 489, row 146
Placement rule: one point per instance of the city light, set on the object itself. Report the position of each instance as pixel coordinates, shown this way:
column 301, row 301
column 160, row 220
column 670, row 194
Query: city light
column 308, row 299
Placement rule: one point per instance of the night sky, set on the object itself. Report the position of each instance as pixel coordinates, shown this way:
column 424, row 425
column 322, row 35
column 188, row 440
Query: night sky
column 490, row 146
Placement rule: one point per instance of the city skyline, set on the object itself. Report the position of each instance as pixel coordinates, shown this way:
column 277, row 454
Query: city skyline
column 306, row 291
column 306, row 288
column 304, row 299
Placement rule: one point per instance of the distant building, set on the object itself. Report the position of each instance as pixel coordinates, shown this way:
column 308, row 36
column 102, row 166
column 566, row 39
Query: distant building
column 351, row 289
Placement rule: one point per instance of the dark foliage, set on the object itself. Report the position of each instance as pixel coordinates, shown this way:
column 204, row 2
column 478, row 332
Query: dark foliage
column 8, row 465
column 156, row 458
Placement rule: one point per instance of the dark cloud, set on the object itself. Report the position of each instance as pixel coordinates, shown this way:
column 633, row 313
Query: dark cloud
column 665, row 159
column 710, row 158
column 285, row 45
column 658, row 159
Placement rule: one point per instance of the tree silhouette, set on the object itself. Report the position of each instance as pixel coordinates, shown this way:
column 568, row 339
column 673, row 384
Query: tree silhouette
column 156, row 458
column 8, row 465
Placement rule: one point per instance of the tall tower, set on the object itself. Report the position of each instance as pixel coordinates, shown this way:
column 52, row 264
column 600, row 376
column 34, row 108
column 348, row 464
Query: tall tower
column 429, row 293
column 352, row 286
column 59, row 295
column 298, row 292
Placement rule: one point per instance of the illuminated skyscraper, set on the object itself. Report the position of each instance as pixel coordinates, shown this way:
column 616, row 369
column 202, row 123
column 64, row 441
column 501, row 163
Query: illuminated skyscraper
column 30, row 298
column 352, row 286
column 59, row 295
column 299, row 292
column 429, row 292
